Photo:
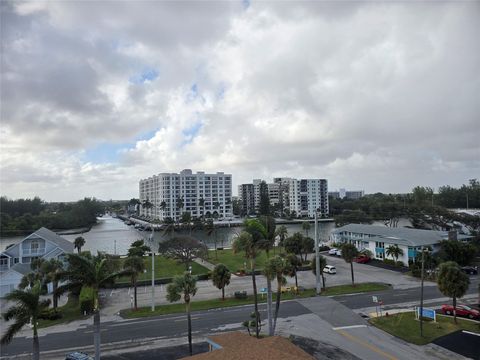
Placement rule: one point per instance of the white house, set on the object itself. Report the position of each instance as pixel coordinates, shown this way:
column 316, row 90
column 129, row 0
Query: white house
column 378, row 238
column 15, row 261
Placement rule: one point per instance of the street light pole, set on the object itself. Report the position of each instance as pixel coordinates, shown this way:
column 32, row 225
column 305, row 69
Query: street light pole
column 317, row 258
column 421, row 294
column 153, row 270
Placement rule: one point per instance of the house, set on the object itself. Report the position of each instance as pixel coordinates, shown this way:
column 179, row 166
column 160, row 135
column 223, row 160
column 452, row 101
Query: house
column 377, row 238
column 15, row 261
column 240, row 346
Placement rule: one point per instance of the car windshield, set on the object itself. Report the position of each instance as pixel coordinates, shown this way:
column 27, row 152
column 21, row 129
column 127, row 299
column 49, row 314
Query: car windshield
column 465, row 307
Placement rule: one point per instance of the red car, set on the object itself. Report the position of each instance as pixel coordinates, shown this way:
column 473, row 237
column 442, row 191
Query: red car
column 362, row 259
column 462, row 310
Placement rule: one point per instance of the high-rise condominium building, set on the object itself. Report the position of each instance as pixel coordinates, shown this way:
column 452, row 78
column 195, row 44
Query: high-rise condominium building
column 200, row 194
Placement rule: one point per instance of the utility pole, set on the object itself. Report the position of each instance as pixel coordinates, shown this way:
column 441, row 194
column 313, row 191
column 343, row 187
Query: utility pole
column 153, row 269
column 317, row 258
column 421, row 294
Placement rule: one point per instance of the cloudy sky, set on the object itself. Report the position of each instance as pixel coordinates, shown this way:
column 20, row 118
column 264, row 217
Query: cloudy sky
column 380, row 96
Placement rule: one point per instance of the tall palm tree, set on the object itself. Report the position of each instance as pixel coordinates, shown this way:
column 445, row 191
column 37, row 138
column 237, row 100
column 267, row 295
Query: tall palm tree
column 280, row 267
column 452, row 282
column 163, row 205
column 201, row 203
column 78, row 243
column 95, row 272
column 147, row 204
column 53, row 270
column 306, row 227
column 269, row 273
column 180, row 205
column 185, row 285
column 294, row 266
column 269, row 225
column 394, row 251
column 349, row 252
column 251, row 241
column 27, row 310
column 134, row 266
column 210, row 230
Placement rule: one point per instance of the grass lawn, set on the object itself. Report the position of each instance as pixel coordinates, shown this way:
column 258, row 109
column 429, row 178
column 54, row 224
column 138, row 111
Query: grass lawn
column 404, row 326
column 235, row 262
column 70, row 311
column 165, row 268
column 358, row 288
column 207, row 304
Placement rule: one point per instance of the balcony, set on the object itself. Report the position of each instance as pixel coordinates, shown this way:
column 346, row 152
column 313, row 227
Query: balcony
column 33, row 252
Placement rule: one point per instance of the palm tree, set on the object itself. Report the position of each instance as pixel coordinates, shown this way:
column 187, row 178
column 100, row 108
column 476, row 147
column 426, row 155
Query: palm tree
column 251, row 245
column 269, row 273
column 349, row 252
column 221, row 278
column 95, row 272
column 163, row 205
column 53, row 269
column 306, row 227
column 27, row 310
column 269, row 225
column 147, row 204
column 282, row 233
column 133, row 266
column 452, row 282
column 280, row 267
column 180, row 205
column 185, row 285
column 78, row 243
column 210, row 229
column 323, row 263
column 394, row 251
column 294, row 266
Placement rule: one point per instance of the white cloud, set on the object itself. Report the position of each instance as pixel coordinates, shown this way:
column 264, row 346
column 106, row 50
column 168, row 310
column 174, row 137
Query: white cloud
column 376, row 96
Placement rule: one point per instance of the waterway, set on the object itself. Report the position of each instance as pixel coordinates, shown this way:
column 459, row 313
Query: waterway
column 113, row 236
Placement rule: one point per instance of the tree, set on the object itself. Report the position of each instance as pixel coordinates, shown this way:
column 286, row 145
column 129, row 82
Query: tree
column 250, row 242
column 269, row 273
column 306, row 227
column 163, row 205
column 454, row 250
column 264, row 205
column 53, row 270
column 282, row 233
column 394, row 251
column 134, row 266
column 452, row 282
column 95, row 272
column 180, row 205
column 138, row 248
column 210, row 230
column 323, row 263
column 307, row 246
column 268, row 223
column 294, row 266
column 183, row 249
column 280, row 267
column 185, row 285
column 78, row 243
column 349, row 252
column 221, row 278
column 201, row 203
column 28, row 309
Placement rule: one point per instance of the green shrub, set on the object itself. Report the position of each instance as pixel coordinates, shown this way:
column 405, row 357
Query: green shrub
column 86, row 300
column 51, row 314
column 240, row 294
column 399, row 264
column 323, row 248
column 389, row 262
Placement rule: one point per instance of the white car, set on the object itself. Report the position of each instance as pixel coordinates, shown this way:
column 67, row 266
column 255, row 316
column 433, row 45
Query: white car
column 332, row 251
column 338, row 252
column 329, row 269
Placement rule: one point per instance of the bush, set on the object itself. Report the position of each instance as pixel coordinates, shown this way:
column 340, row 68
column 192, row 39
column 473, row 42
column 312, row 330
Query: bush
column 86, row 300
column 240, row 294
column 51, row 314
column 389, row 262
column 324, row 248
column 399, row 264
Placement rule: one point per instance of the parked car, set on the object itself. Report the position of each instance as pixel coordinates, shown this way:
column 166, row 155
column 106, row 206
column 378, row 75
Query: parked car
column 462, row 310
column 329, row 269
column 470, row 270
column 76, row 355
column 362, row 259
column 332, row 251
column 339, row 252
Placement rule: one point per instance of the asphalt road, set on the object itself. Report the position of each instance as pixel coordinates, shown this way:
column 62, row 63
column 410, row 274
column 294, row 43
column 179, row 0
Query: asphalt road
column 399, row 296
column 163, row 326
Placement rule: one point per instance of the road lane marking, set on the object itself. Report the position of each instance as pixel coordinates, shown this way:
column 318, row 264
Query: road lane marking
column 185, row 319
column 367, row 345
column 469, row 332
column 349, row 327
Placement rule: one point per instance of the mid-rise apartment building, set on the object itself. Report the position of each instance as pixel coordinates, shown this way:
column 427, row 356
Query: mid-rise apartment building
column 346, row 194
column 302, row 197
column 200, row 194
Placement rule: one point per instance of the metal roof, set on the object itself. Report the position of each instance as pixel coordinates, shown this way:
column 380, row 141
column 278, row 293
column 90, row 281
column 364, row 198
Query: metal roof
column 23, row 269
column 400, row 235
column 49, row 235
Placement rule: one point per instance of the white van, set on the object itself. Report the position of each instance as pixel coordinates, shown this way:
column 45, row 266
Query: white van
column 329, row 269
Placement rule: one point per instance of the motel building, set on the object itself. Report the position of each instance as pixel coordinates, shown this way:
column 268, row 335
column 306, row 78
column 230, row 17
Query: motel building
column 377, row 238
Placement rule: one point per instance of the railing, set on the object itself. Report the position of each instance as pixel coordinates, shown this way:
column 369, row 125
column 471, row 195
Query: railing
column 39, row 251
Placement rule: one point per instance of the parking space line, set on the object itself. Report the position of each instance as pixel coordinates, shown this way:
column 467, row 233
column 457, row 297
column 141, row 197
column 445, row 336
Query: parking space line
column 349, row 327
column 367, row 345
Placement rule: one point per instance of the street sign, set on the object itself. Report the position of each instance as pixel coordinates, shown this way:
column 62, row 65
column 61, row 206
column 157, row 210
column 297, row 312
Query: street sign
column 374, row 298
column 263, row 290
column 427, row 313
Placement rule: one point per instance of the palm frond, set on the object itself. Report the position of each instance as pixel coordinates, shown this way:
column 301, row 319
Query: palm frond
column 13, row 329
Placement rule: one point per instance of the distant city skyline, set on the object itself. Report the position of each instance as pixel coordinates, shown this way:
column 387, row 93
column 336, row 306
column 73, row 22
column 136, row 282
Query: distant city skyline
column 372, row 96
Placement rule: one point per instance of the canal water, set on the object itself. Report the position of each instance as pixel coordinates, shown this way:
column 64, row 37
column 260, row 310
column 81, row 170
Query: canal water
column 113, row 236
